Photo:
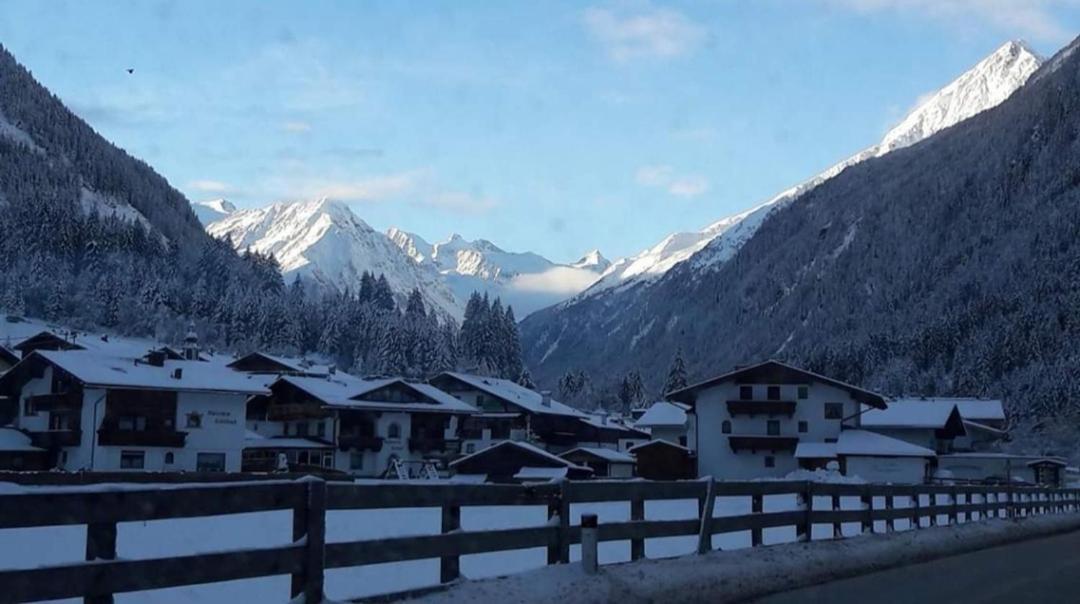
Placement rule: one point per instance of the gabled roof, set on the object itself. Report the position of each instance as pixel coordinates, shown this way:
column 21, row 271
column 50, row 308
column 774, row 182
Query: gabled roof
column 609, row 455
column 46, row 338
column 776, row 372
column 657, row 442
column 605, row 423
column 279, row 364
column 528, row 448
column 341, row 391
column 514, row 394
column 822, row 450
column 94, row 369
column 975, row 409
column 872, row 444
column 663, row 414
column 1048, row 461
column 8, row 355
column 912, row 414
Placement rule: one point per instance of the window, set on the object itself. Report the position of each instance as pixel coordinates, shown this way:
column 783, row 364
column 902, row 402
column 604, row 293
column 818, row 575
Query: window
column 682, row 440
column 131, row 423
column 773, row 427
column 194, row 420
column 320, row 429
column 59, row 421
column 773, row 393
column 328, row 459
column 470, row 447
column 726, row 427
column 210, row 462
column 169, row 458
column 132, row 460
column 356, row 460
column 803, row 427
column 301, row 428
column 830, row 440
column 394, row 431
column 804, row 392
column 746, row 393
column 770, row 461
column 834, row 411
column 28, row 407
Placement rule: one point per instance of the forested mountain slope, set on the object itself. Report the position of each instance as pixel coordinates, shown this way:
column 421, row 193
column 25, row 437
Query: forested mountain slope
column 951, row 266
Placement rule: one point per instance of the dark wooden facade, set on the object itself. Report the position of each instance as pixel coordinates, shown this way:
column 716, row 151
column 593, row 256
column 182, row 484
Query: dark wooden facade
column 661, row 460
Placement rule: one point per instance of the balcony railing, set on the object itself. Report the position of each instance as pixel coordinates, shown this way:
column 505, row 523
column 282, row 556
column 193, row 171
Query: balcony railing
column 55, row 402
column 141, row 438
column 763, row 443
column 361, row 442
column 294, row 411
column 54, row 439
column 761, row 408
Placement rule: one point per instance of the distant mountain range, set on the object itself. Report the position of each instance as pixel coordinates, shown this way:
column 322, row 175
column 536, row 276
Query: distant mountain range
column 325, row 242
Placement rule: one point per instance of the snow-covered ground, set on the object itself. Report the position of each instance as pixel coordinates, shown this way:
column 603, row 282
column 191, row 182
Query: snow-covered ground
column 27, row 548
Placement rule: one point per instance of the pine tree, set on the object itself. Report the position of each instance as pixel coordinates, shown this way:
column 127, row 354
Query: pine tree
column 676, row 379
column 526, row 379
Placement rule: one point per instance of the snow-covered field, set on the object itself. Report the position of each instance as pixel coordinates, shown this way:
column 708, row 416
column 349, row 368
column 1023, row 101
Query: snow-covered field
column 27, row 548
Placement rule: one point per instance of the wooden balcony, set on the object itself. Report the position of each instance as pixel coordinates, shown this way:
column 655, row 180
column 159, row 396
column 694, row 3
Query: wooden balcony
column 360, row 442
column 141, row 438
column 763, row 443
column 294, row 411
column 54, row 439
column 434, row 445
column 61, row 401
column 753, row 408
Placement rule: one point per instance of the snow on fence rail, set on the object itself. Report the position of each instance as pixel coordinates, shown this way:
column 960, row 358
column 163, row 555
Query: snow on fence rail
column 308, row 556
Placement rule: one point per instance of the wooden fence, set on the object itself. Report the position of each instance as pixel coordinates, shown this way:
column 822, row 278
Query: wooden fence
column 308, row 556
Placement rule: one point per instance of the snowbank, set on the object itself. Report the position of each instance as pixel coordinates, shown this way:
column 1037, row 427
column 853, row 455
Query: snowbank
column 745, row 574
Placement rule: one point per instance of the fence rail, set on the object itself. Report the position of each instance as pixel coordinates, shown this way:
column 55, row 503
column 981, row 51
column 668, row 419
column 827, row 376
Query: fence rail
column 308, row 556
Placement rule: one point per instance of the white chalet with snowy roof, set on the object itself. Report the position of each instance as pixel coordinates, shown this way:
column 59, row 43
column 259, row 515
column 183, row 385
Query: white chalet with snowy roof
column 373, row 428
column 94, row 411
column 668, row 421
column 750, row 421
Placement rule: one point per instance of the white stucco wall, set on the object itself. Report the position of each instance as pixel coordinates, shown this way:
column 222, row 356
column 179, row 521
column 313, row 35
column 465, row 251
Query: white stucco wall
column 715, row 456
column 897, row 470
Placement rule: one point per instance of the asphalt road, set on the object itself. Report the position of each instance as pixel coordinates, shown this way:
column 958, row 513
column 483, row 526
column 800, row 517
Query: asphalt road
column 1046, row 571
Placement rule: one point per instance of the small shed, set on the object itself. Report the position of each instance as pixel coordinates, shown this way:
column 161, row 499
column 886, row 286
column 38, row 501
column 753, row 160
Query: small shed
column 878, row 458
column 515, row 461
column 1048, row 471
column 664, row 460
column 605, row 463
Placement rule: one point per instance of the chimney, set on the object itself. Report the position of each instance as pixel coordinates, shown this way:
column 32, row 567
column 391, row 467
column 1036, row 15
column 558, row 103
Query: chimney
column 177, row 373
column 545, row 398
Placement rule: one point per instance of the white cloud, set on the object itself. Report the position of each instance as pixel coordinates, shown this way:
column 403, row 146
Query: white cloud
column 371, row 189
column 665, row 177
column 1029, row 18
column 297, row 127
column 560, row 280
column 649, row 33
column 210, row 186
column 458, row 201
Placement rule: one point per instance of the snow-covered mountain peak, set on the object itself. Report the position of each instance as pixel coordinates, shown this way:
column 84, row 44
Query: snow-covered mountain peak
column 593, row 260
column 212, row 210
column 983, row 86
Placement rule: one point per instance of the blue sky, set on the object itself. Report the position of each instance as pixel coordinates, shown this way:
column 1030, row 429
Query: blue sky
column 550, row 126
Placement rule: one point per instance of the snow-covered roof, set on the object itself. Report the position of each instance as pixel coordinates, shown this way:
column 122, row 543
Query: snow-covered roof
column 516, row 394
column 773, row 371
column 983, row 428
column 976, row 409
column 14, row 440
column 815, row 450
column 908, row 414
column 529, row 447
column 658, row 441
column 864, row 442
column 96, row 369
column 609, row 455
column 663, row 414
column 529, row 473
column 1055, row 461
column 340, row 391
column 606, row 423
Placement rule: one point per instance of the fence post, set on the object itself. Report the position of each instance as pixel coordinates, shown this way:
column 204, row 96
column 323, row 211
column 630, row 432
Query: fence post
column 890, row 524
column 637, row 512
column 309, row 523
column 1010, row 510
column 450, row 566
column 757, row 505
column 559, row 507
column 837, row 528
column 100, row 545
column 916, row 503
column 867, row 501
column 589, row 559
column 805, row 498
column 954, row 514
column 705, row 528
